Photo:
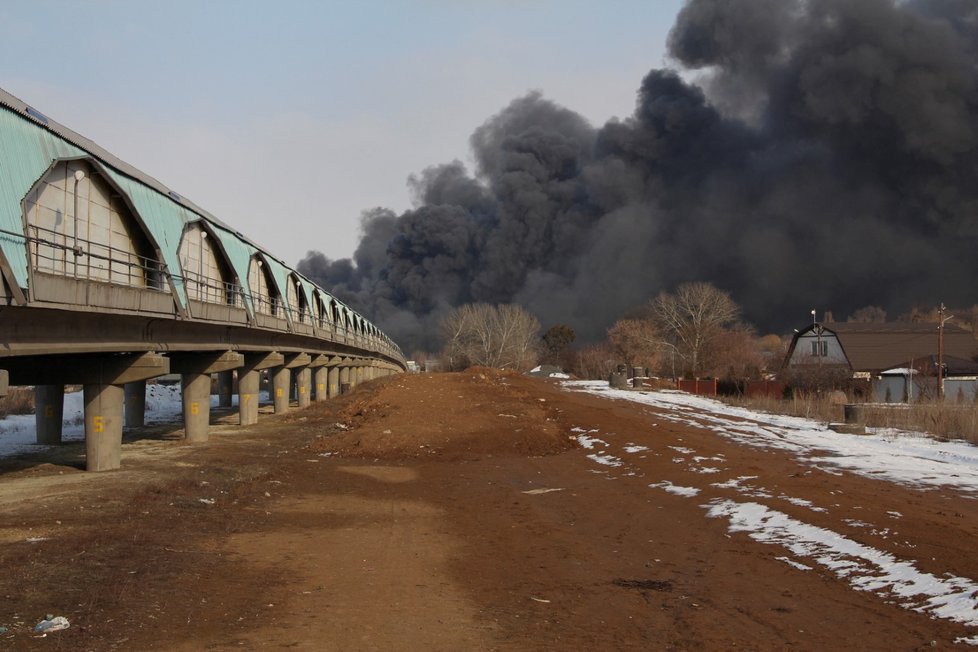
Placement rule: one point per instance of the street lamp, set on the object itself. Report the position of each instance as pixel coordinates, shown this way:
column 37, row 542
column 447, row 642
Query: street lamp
column 79, row 175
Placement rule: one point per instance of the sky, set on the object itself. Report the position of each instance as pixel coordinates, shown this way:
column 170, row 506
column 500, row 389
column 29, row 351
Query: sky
column 286, row 120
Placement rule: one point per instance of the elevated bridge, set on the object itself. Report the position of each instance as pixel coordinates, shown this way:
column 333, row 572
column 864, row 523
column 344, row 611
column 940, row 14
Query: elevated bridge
column 108, row 278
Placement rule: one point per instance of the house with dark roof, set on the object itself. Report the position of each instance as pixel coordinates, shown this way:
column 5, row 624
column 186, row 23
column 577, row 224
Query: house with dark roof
column 867, row 351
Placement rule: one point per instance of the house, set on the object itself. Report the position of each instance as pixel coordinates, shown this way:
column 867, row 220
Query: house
column 864, row 350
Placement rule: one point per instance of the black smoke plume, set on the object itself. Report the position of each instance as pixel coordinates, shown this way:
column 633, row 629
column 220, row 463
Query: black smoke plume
column 826, row 156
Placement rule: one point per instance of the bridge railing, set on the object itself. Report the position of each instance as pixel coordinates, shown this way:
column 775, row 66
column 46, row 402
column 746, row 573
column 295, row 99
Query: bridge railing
column 211, row 290
column 81, row 258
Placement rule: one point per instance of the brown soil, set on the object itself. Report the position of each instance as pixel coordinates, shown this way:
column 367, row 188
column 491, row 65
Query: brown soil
column 448, row 512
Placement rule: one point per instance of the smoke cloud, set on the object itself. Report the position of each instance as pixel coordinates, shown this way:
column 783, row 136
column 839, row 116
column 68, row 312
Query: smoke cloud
column 826, row 156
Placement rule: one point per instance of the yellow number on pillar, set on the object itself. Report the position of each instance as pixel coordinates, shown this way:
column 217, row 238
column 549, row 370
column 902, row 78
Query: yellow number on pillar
column 246, row 398
column 98, row 424
column 194, row 408
column 302, row 389
column 49, row 411
column 278, row 391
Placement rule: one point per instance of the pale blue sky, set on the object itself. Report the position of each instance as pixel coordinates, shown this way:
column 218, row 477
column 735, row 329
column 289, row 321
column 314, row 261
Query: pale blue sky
column 286, row 119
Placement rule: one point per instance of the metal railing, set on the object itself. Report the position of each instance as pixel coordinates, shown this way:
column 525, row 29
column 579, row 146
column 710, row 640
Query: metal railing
column 94, row 261
column 211, row 290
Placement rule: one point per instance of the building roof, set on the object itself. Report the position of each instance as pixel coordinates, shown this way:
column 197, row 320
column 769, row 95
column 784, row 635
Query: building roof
column 953, row 366
column 875, row 347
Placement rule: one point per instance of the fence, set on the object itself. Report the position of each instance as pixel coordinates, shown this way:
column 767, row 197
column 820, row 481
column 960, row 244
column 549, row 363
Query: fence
column 698, row 387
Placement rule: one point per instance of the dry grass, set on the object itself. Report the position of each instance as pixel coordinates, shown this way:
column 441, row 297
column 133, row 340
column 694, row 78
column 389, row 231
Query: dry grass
column 942, row 421
column 809, row 407
column 17, row 401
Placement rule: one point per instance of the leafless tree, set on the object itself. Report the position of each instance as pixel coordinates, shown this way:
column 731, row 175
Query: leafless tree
column 593, row 361
column 735, row 355
column 503, row 336
column 694, row 316
column 636, row 341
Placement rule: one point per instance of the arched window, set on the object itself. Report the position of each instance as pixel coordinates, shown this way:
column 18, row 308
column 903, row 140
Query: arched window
column 79, row 226
column 263, row 292
column 322, row 316
column 297, row 300
column 206, row 275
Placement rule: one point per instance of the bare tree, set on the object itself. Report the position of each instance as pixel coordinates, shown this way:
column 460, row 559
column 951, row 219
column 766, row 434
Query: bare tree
column 636, row 341
column 736, row 355
column 593, row 361
column 503, row 336
column 556, row 341
column 694, row 317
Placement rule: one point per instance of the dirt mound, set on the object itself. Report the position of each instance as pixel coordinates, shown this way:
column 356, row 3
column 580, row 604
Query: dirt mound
column 451, row 415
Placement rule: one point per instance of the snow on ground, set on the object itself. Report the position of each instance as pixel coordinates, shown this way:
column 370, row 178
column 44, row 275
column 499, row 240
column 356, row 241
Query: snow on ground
column 163, row 405
column 903, row 457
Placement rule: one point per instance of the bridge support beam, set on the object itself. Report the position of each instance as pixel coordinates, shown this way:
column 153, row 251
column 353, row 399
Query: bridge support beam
column 135, row 404
column 49, row 405
column 195, row 370
column 4, row 382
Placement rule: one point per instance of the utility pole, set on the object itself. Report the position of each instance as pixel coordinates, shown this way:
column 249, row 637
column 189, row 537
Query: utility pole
column 941, row 320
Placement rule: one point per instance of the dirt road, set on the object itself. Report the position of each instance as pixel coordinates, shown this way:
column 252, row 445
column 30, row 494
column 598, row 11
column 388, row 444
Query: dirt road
column 458, row 511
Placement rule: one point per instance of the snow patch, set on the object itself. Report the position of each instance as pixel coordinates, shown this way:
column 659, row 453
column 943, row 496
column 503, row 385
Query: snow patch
column 665, row 485
column 865, row 568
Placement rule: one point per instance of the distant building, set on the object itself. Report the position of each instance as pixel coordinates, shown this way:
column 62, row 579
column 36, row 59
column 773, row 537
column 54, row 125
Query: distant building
column 889, row 355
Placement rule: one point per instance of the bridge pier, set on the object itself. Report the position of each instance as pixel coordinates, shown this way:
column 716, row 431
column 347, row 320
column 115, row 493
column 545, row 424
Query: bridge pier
column 317, row 370
column 333, row 382
column 195, row 389
column 135, row 412
column 281, row 378
column 103, row 377
column 320, row 379
column 49, row 405
column 303, row 387
column 103, row 426
column 345, row 385
column 195, row 370
column 249, row 384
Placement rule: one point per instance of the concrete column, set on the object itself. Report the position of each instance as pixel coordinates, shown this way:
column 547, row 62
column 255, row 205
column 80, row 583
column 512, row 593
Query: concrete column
column 225, row 388
column 280, row 388
column 49, row 407
column 333, row 382
column 196, row 392
column 248, row 396
column 303, row 386
column 135, row 404
column 320, row 379
column 345, row 385
column 103, row 427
